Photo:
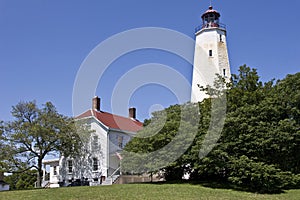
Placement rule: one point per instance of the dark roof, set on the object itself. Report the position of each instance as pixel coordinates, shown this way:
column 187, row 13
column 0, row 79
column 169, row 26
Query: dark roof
column 114, row 121
column 211, row 10
column 3, row 183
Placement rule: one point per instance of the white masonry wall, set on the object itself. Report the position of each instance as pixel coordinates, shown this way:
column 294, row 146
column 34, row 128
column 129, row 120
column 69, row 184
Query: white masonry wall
column 83, row 165
column 205, row 66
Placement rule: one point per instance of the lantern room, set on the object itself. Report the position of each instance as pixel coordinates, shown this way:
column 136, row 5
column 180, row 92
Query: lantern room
column 210, row 18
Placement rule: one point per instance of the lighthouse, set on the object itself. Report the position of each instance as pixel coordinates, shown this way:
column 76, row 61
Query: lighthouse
column 211, row 55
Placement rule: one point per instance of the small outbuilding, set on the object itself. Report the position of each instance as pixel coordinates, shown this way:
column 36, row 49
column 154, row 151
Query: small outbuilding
column 3, row 185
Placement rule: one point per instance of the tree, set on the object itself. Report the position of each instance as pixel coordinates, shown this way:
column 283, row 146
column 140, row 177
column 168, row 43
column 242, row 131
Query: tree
column 21, row 181
column 260, row 141
column 262, row 130
column 36, row 133
column 162, row 142
column 258, row 176
column 4, row 150
column 2, row 147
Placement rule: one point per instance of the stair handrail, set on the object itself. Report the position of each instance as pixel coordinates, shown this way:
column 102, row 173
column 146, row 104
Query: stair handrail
column 115, row 172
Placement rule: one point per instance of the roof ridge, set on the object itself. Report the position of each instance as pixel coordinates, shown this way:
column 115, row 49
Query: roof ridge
column 113, row 121
column 133, row 119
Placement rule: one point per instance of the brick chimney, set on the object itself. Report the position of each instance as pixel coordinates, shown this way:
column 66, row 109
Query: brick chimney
column 132, row 113
column 96, row 103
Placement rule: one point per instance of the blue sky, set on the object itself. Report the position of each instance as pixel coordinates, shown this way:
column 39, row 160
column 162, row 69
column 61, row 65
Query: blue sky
column 43, row 44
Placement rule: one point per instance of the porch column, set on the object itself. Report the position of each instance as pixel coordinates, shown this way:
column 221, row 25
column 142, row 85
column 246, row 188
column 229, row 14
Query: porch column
column 44, row 173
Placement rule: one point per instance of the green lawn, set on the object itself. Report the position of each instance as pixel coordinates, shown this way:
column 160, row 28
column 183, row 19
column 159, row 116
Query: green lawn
column 142, row 191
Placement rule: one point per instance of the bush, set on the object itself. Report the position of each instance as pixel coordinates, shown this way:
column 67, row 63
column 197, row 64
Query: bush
column 173, row 173
column 21, row 181
column 260, row 177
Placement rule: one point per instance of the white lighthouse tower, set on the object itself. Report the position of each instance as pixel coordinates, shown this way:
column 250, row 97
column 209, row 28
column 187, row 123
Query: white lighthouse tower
column 211, row 55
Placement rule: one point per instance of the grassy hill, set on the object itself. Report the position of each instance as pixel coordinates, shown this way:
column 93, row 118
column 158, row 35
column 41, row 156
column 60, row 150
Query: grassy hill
column 142, row 191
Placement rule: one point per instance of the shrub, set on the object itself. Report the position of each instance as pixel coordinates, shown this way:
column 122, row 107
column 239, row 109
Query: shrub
column 260, row 177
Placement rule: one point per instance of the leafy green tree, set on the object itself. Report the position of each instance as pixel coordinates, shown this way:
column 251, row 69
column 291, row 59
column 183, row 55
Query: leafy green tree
column 259, row 176
column 259, row 148
column 167, row 135
column 2, row 153
column 267, row 129
column 4, row 150
column 261, row 129
column 36, row 133
column 20, row 181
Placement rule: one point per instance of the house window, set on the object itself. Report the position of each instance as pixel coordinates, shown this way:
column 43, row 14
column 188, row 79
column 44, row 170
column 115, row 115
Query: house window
column 120, row 141
column 210, row 53
column 70, row 166
column 54, row 170
column 95, row 143
column 95, row 164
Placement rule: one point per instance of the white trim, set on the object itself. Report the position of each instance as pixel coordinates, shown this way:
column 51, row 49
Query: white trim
column 50, row 161
column 210, row 29
column 122, row 131
column 106, row 128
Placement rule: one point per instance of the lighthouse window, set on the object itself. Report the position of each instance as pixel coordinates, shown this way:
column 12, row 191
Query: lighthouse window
column 210, row 53
column 224, row 72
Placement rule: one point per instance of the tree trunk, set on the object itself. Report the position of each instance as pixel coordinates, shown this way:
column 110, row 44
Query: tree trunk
column 39, row 173
column 151, row 177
